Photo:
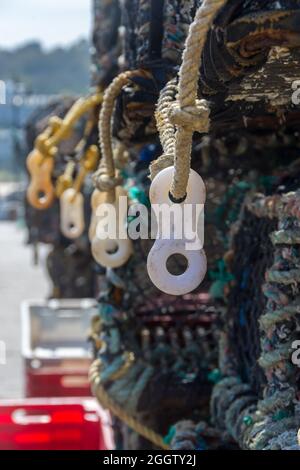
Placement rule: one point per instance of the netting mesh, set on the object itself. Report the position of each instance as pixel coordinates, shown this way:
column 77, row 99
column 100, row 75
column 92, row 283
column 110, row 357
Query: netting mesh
column 253, row 255
column 174, row 337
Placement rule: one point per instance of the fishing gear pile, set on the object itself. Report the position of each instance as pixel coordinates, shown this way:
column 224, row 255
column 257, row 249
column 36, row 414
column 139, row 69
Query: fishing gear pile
column 255, row 402
column 156, row 351
column 194, row 348
column 64, row 135
column 69, row 262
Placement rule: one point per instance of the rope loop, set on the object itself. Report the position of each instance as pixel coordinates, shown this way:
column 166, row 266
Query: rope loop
column 104, row 182
column 105, row 178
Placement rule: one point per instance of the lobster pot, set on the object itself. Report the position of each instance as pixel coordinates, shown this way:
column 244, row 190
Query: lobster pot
column 253, row 261
column 256, row 402
column 252, row 255
column 154, row 34
column 44, row 226
column 106, row 44
column 240, row 80
column 69, row 263
column 156, row 30
column 157, row 367
column 159, row 352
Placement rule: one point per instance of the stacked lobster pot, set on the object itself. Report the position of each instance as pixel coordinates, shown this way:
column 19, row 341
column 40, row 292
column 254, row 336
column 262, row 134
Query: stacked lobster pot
column 207, row 102
column 106, row 43
column 156, row 350
column 64, row 139
column 250, row 163
column 69, row 262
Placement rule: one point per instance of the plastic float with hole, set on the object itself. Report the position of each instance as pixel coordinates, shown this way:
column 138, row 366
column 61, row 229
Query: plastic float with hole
column 164, row 248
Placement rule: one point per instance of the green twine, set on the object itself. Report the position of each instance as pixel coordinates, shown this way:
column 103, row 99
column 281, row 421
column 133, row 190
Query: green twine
column 221, row 279
column 248, row 421
column 215, row 376
column 170, row 436
column 137, row 194
column 281, row 414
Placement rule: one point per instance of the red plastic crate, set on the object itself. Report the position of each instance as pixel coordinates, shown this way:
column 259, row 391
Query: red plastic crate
column 57, row 379
column 54, row 425
column 55, row 349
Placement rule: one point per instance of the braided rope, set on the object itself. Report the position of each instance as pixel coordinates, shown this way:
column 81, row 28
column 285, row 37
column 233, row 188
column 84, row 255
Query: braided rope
column 188, row 114
column 107, row 402
column 105, row 178
column 165, row 128
column 189, row 108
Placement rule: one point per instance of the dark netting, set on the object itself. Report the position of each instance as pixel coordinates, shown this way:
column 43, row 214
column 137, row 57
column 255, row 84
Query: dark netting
column 174, row 355
column 181, row 349
column 253, row 255
column 154, row 33
column 106, row 43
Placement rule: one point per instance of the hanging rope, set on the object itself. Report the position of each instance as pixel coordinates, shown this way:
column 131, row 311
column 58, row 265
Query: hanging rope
column 107, row 402
column 187, row 114
column 165, row 128
column 190, row 114
column 105, row 178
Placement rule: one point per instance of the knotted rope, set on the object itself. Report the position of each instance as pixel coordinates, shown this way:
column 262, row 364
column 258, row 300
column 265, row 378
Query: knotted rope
column 188, row 114
column 106, row 179
column 165, row 128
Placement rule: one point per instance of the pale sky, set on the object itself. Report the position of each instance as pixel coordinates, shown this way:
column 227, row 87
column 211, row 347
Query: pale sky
column 53, row 22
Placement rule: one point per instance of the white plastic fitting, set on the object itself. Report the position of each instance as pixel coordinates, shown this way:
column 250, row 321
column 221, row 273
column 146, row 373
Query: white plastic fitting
column 97, row 199
column 109, row 252
column 160, row 188
column 72, row 214
column 169, row 283
column 164, row 248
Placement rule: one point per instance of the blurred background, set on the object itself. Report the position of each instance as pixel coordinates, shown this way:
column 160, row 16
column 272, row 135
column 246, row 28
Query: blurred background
column 44, row 57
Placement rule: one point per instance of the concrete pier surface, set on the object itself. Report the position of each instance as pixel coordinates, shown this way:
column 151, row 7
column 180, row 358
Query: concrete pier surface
column 19, row 280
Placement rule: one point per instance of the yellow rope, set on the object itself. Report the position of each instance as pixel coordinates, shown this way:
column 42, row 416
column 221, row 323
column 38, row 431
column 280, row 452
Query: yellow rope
column 129, row 360
column 60, row 129
column 107, row 402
